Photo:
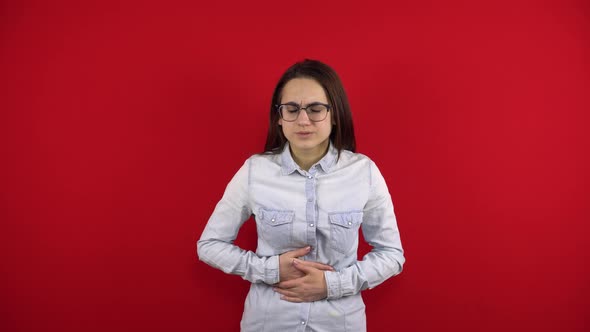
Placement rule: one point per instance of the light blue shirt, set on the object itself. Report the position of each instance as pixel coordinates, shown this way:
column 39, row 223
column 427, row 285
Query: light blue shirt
column 293, row 208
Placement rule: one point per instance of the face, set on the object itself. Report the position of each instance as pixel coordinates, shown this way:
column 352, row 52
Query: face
column 305, row 136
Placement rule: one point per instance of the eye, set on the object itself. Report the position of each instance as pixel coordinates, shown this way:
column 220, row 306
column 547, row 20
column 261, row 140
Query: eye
column 317, row 108
column 290, row 108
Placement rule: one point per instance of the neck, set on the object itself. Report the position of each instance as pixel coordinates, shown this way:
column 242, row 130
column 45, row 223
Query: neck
column 306, row 158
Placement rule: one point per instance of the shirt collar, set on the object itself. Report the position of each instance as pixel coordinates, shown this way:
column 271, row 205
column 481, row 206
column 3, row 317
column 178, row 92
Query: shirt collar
column 289, row 165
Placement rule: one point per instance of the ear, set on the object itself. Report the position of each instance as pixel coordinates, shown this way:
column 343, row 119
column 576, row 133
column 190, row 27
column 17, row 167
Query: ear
column 280, row 122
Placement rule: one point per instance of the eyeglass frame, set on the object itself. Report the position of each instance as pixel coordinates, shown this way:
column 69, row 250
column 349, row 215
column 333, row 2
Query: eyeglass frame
column 299, row 108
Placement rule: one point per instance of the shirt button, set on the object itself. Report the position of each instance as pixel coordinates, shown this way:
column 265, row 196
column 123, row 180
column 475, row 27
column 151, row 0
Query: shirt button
column 273, row 220
column 310, row 225
column 310, row 199
column 302, row 322
column 309, row 177
column 349, row 223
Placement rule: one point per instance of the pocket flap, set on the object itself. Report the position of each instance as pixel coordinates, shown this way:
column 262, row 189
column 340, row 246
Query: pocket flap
column 275, row 217
column 346, row 219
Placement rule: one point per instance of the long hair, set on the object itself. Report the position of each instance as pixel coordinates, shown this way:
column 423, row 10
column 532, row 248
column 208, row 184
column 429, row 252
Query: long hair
column 342, row 134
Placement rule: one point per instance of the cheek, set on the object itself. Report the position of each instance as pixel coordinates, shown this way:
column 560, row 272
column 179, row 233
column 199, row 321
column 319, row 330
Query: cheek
column 284, row 129
column 328, row 128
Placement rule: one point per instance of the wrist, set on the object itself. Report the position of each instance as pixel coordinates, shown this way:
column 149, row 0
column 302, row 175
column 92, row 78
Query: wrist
column 272, row 270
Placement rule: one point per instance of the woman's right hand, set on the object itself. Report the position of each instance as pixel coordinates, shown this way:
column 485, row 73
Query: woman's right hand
column 288, row 272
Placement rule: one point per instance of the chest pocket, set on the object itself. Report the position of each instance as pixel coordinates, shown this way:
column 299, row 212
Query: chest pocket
column 275, row 227
column 344, row 230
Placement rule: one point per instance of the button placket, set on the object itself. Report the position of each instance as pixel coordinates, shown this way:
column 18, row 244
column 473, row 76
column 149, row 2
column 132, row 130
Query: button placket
column 310, row 213
column 310, row 217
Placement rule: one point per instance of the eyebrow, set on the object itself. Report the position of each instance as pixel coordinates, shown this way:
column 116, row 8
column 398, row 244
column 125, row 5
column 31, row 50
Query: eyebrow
column 297, row 104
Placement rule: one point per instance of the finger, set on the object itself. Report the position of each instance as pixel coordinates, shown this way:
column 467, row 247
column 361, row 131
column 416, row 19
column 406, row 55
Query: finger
column 319, row 266
column 289, row 283
column 291, row 299
column 302, row 267
column 285, row 292
column 326, row 268
column 299, row 252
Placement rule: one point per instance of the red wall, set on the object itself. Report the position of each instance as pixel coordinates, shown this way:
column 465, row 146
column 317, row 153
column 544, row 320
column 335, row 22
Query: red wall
column 120, row 125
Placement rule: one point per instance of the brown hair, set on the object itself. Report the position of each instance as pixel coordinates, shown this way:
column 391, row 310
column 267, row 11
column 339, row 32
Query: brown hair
column 342, row 135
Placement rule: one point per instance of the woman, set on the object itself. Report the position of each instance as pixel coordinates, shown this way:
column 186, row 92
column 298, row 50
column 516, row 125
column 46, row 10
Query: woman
column 309, row 193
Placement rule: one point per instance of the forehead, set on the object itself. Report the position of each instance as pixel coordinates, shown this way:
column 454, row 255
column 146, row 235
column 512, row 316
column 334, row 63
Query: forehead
column 303, row 90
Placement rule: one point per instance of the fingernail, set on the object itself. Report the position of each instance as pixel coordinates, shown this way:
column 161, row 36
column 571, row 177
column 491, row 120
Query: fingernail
column 295, row 261
column 308, row 248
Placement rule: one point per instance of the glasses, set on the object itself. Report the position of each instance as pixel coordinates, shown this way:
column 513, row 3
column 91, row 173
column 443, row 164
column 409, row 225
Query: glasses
column 316, row 112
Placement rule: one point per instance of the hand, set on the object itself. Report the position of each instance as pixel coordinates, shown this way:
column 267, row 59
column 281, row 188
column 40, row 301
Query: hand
column 311, row 287
column 289, row 272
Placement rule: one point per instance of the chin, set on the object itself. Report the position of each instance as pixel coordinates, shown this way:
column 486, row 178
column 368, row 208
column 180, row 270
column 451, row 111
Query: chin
column 306, row 145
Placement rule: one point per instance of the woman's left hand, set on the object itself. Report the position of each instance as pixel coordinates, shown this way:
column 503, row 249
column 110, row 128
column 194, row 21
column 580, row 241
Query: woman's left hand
column 311, row 287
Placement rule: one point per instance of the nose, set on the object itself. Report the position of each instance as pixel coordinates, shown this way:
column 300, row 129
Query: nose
column 302, row 117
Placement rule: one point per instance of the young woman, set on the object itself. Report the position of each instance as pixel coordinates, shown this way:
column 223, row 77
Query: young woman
column 309, row 193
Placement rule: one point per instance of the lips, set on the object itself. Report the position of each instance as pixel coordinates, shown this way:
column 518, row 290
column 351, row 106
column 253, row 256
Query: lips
column 303, row 133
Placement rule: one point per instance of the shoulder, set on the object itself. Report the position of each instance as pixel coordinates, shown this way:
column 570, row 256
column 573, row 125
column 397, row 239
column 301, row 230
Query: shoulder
column 256, row 160
column 360, row 164
column 265, row 160
column 348, row 158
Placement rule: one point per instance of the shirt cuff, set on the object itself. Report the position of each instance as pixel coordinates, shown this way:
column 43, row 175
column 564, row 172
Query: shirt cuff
column 338, row 285
column 271, row 270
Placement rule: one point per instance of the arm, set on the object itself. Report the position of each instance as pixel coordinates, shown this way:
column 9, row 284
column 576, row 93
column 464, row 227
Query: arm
column 216, row 248
column 380, row 230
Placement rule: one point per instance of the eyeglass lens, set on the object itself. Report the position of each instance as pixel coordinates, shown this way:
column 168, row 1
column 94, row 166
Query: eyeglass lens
column 315, row 112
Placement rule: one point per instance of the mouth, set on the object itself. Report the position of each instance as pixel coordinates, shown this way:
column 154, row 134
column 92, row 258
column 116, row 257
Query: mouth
column 303, row 133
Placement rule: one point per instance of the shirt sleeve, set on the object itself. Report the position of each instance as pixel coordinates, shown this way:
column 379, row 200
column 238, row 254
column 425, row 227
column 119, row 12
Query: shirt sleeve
column 380, row 231
column 216, row 248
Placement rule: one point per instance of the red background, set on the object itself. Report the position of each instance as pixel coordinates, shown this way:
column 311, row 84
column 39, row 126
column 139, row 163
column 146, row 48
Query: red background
column 121, row 124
